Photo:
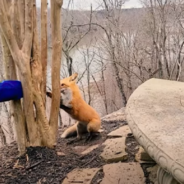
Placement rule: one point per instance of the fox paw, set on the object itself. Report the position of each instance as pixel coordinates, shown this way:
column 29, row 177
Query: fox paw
column 91, row 135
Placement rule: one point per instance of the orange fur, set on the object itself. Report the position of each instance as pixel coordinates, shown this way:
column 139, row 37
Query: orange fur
column 80, row 111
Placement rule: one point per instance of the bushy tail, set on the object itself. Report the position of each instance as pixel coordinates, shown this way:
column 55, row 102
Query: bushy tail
column 69, row 132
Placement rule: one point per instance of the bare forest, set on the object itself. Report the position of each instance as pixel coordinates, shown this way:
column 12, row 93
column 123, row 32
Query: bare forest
column 113, row 50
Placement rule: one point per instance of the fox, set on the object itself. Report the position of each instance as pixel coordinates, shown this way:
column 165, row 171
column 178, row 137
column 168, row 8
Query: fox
column 71, row 101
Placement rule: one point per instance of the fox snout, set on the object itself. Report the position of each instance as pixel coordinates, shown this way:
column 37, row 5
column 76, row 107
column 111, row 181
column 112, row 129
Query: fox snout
column 64, row 90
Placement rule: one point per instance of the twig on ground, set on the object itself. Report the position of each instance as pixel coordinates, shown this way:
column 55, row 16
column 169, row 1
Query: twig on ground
column 89, row 161
column 34, row 165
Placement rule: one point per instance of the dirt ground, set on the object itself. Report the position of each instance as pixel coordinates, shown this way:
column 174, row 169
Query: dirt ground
column 42, row 165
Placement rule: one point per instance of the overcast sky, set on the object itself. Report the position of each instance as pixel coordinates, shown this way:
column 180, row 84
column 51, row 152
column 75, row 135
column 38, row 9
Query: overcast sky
column 85, row 4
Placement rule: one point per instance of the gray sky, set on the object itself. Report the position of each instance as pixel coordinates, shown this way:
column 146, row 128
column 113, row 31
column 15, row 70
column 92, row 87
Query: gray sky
column 85, row 4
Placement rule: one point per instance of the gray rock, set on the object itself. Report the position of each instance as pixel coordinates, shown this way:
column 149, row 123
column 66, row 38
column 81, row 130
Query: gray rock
column 120, row 132
column 114, row 150
column 115, row 116
column 142, row 155
column 153, row 173
column 123, row 173
column 84, row 176
column 90, row 149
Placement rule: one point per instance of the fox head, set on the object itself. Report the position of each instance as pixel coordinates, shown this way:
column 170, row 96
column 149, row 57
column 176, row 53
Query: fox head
column 68, row 87
column 68, row 82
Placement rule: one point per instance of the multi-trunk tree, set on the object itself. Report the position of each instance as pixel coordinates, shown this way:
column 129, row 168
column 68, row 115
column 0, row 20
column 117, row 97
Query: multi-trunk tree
column 25, row 59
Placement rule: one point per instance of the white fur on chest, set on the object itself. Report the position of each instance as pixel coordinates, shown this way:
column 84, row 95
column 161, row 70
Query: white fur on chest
column 66, row 97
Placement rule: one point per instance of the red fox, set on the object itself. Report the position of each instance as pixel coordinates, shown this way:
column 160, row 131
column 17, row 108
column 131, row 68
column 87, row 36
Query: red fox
column 72, row 102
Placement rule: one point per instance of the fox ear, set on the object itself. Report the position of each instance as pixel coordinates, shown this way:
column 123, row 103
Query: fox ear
column 73, row 77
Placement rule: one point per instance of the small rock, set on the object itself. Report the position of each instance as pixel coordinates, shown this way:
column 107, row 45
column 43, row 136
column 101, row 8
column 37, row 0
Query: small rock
column 114, row 150
column 137, row 147
column 129, row 144
column 120, row 132
column 60, row 153
column 79, row 149
column 142, row 155
column 123, row 173
column 84, row 176
column 90, row 149
column 101, row 130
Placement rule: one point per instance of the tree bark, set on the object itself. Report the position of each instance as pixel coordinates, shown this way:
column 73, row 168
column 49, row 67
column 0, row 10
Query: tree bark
column 44, row 46
column 23, row 55
column 21, row 11
column 15, row 106
column 56, row 63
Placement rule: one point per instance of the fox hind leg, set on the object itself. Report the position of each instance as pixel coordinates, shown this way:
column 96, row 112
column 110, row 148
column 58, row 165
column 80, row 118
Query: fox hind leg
column 81, row 129
column 92, row 129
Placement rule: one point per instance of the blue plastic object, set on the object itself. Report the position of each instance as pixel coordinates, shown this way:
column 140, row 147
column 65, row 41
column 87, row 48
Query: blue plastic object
column 10, row 90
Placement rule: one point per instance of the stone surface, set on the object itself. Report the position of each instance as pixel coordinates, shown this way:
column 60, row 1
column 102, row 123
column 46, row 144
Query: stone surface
column 123, row 173
column 114, row 150
column 115, row 116
column 120, row 132
column 142, row 155
column 155, row 114
column 84, row 176
column 90, row 149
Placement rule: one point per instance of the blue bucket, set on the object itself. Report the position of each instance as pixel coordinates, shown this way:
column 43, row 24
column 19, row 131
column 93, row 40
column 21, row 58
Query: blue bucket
column 10, row 90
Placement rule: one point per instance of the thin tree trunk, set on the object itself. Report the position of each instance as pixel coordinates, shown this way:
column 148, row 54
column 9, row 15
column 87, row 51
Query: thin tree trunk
column 21, row 11
column 44, row 46
column 69, row 61
column 60, row 120
column 56, row 63
column 15, row 106
column 9, row 125
column 120, row 85
column 2, row 136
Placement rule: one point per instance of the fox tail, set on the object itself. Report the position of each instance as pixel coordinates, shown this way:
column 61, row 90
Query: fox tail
column 69, row 132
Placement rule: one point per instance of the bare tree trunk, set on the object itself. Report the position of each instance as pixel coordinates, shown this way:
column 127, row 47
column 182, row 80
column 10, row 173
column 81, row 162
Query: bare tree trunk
column 44, row 46
column 119, row 83
column 37, row 81
column 2, row 136
column 21, row 11
column 69, row 61
column 9, row 125
column 56, row 63
column 24, row 53
column 60, row 120
column 15, row 106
